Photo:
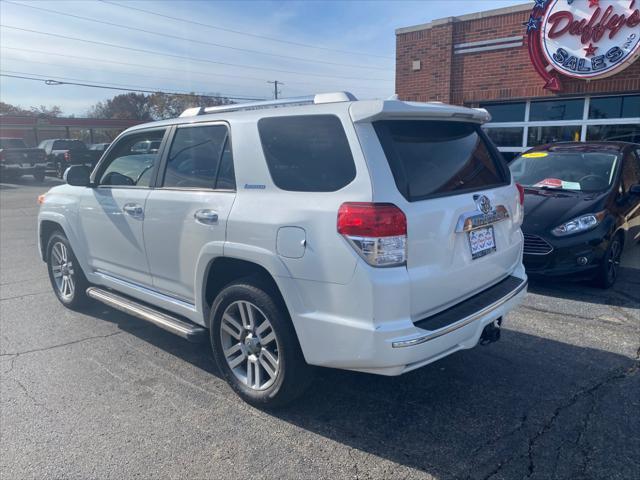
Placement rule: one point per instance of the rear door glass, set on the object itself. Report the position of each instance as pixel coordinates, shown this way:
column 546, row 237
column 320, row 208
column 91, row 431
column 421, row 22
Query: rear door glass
column 195, row 157
column 435, row 158
column 307, row 153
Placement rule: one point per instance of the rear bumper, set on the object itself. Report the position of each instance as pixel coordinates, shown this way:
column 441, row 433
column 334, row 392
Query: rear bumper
column 398, row 346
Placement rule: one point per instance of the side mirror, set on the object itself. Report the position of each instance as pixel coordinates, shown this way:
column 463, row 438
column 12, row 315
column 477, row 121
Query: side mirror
column 78, row 175
column 635, row 189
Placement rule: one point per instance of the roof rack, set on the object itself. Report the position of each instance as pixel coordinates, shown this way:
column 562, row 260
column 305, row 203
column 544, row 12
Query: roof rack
column 317, row 99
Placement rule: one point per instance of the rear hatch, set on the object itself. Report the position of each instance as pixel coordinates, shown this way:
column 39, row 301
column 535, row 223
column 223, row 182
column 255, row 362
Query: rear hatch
column 441, row 172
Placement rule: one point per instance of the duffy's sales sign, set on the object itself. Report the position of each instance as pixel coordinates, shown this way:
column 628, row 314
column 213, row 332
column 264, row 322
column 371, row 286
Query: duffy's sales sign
column 586, row 39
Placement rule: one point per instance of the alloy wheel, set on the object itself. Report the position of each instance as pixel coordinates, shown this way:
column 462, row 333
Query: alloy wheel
column 62, row 270
column 614, row 260
column 250, row 345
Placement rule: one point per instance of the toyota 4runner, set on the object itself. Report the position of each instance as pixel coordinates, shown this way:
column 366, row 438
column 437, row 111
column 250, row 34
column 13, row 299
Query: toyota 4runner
column 375, row 236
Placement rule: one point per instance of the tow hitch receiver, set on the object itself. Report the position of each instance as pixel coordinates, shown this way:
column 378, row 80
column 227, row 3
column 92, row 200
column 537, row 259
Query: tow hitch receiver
column 491, row 332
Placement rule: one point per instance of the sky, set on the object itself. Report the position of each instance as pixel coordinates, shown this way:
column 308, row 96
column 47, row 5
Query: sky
column 232, row 48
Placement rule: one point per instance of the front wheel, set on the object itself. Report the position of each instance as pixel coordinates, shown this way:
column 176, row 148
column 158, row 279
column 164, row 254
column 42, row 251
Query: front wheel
column 255, row 345
column 608, row 271
column 67, row 279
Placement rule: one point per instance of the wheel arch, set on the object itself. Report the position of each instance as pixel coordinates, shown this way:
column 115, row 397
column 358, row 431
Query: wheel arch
column 46, row 229
column 223, row 270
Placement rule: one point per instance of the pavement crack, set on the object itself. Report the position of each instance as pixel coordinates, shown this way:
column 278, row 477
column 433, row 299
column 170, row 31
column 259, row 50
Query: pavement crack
column 616, row 374
column 25, row 295
column 44, row 349
column 29, row 396
column 551, row 312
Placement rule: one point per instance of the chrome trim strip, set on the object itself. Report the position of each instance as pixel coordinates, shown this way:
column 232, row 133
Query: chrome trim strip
column 162, row 320
column 462, row 323
column 147, row 291
column 479, row 219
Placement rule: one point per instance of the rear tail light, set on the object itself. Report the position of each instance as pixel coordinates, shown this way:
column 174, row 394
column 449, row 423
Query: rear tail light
column 376, row 231
column 521, row 192
column 67, row 156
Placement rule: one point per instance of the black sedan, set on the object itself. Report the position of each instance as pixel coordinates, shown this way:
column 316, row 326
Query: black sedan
column 582, row 204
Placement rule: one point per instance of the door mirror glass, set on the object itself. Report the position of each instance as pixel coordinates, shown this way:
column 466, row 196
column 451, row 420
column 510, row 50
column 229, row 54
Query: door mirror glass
column 78, row 175
column 635, row 189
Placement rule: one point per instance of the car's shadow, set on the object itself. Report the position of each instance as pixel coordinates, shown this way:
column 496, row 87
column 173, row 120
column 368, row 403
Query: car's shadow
column 466, row 416
column 625, row 293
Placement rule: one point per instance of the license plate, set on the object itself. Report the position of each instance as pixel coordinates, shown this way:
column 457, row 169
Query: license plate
column 481, row 242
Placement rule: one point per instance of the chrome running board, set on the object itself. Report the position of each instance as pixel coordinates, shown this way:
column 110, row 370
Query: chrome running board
column 189, row 331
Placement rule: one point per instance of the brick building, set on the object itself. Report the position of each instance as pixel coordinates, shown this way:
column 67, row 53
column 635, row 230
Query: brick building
column 483, row 59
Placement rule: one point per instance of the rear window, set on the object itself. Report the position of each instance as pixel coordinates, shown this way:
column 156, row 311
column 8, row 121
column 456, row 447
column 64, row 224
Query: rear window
column 69, row 145
column 435, row 158
column 307, row 153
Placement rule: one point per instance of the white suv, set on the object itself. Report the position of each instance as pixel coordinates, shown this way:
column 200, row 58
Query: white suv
column 375, row 236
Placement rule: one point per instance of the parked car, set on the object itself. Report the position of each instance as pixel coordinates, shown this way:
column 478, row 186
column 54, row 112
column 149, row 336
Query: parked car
column 64, row 152
column 147, row 146
column 376, row 236
column 99, row 147
column 582, row 201
column 16, row 160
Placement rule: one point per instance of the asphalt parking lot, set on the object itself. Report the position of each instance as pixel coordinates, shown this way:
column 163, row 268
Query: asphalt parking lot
column 103, row 395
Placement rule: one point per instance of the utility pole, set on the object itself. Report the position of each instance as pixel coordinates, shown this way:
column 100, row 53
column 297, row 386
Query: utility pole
column 276, row 92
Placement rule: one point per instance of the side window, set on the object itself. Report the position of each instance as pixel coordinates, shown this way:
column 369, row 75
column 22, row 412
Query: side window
column 307, row 153
column 195, row 157
column 126, row 166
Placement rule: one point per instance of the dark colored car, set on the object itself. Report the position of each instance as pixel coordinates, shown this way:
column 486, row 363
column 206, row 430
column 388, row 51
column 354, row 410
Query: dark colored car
column 16, row 160
column 582, row 204
column 99, row 147
column 64, row 152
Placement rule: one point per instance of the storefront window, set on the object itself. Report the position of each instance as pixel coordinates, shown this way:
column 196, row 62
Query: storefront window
column 541, row 135
column 615, row 107
column 619, row 133
column 506, row 137
column 506, row 112
column 557, row 110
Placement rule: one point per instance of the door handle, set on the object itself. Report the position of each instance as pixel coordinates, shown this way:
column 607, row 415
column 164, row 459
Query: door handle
column 206, row 217
column 133, row 209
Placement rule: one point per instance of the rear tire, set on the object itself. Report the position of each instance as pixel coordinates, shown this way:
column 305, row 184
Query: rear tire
column 60, row 170
column 67, row 279
column 608, row 270
column 255, row 345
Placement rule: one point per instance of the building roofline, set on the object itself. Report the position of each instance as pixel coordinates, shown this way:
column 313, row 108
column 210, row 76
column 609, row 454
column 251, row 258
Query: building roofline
column 463, row 18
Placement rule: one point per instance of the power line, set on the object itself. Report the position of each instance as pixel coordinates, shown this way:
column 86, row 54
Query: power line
column 151, row 67
column 192, row 59
column 263, row 37
column 167, row 35
column 50, row 80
